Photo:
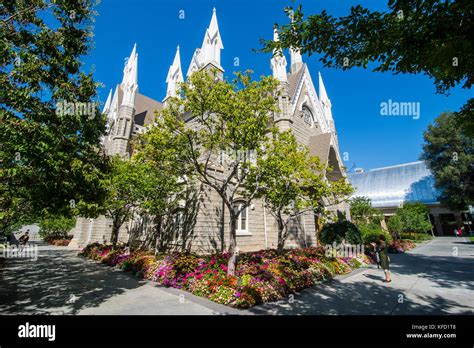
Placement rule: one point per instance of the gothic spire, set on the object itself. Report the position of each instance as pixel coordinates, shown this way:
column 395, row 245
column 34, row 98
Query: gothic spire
column 210, row 52
column 323, row 96
column 129, row 82
column 325, row 102
column 175, row 76
column 278, row 61
column 108, row 103
column 295, row 58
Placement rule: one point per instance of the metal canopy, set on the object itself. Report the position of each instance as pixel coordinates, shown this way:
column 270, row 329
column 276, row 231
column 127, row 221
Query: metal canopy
column 390, row 186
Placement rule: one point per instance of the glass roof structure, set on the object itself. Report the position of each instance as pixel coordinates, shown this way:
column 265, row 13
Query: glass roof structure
column 390, row 186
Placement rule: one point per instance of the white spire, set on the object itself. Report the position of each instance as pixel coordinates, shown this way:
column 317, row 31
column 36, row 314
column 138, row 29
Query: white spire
column 108, row 103
column 296, row 59
column 112, row 110
column 323, row 96
column 278, row 61
column 195, row 64
column 212, row 43
column 129, row 82
column 325, row 103
column 175, row 76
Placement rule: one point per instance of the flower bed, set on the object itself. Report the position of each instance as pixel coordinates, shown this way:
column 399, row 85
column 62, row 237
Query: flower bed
column 58, row 241
column 400, row 246
column 260, row 277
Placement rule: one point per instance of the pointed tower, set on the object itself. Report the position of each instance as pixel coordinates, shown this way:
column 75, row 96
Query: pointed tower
column 195, row 64
column 278, row 65
column 326, row 104
column 122, row 131
column 108, row 103
column 209, row 55
column 129, row 82
column 212, row 44
column 296, row 60
column 174, row 78
column 278, row 61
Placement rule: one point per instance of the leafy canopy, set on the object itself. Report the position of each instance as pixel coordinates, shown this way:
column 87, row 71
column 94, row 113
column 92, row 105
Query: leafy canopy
column 448, row 151
column 412, row 217
column 433, row 37
column 55, row 226
column 362, row 211
column 220, row 125
column 292, row 181
column 49, row 156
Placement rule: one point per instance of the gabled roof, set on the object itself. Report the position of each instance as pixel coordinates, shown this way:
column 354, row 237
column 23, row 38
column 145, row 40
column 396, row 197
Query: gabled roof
column 391, row 186
column 319, row 145
column 293, row 81
column 144, row 108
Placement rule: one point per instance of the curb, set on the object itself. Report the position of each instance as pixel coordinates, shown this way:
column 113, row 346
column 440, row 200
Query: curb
column 217, row 307
column 419, row 245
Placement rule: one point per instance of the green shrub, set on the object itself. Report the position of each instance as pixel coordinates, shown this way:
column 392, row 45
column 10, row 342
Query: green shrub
column 337, row 231
column 371, row 233
column 363, row 212
column 411, row 217
column 415, row 236
column 55, row 227
column 395, row 225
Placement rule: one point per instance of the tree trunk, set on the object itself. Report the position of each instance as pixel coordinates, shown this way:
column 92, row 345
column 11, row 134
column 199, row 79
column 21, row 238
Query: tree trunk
column 222, row 226
column 158, row 237
column 316, row 227
column 232, row 245
column 115, row 232
column 281, row 239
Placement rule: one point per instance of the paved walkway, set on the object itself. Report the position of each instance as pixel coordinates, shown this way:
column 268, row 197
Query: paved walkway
column 60, row 282
column 435, row 278
column 428, row 280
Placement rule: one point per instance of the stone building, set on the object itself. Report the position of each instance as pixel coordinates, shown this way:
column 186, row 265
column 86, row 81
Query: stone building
column 303, row 110
column 389, row 187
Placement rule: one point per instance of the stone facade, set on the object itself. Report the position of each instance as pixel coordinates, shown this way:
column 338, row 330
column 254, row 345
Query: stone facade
column 303, row 111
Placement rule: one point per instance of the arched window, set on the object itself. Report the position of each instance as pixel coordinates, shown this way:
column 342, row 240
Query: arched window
column 307, row 116
column 243, row 219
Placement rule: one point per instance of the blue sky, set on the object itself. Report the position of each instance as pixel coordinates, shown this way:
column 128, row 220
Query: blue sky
column 369, row 139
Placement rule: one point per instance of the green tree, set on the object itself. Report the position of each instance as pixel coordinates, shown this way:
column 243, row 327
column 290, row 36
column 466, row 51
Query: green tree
column 17, row 215
column 226, row 122
column 431, row 37
column 395, row 226
column 449, row 153
column 293, row 182
column 362, row 211
column 414, row 217
column 129, row 186
column 55, row 227
column 336, row 232
column 171, row 186
column 49, row 158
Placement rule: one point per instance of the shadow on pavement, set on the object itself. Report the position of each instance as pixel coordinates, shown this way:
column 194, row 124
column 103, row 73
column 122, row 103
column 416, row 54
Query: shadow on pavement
column 59, row 282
